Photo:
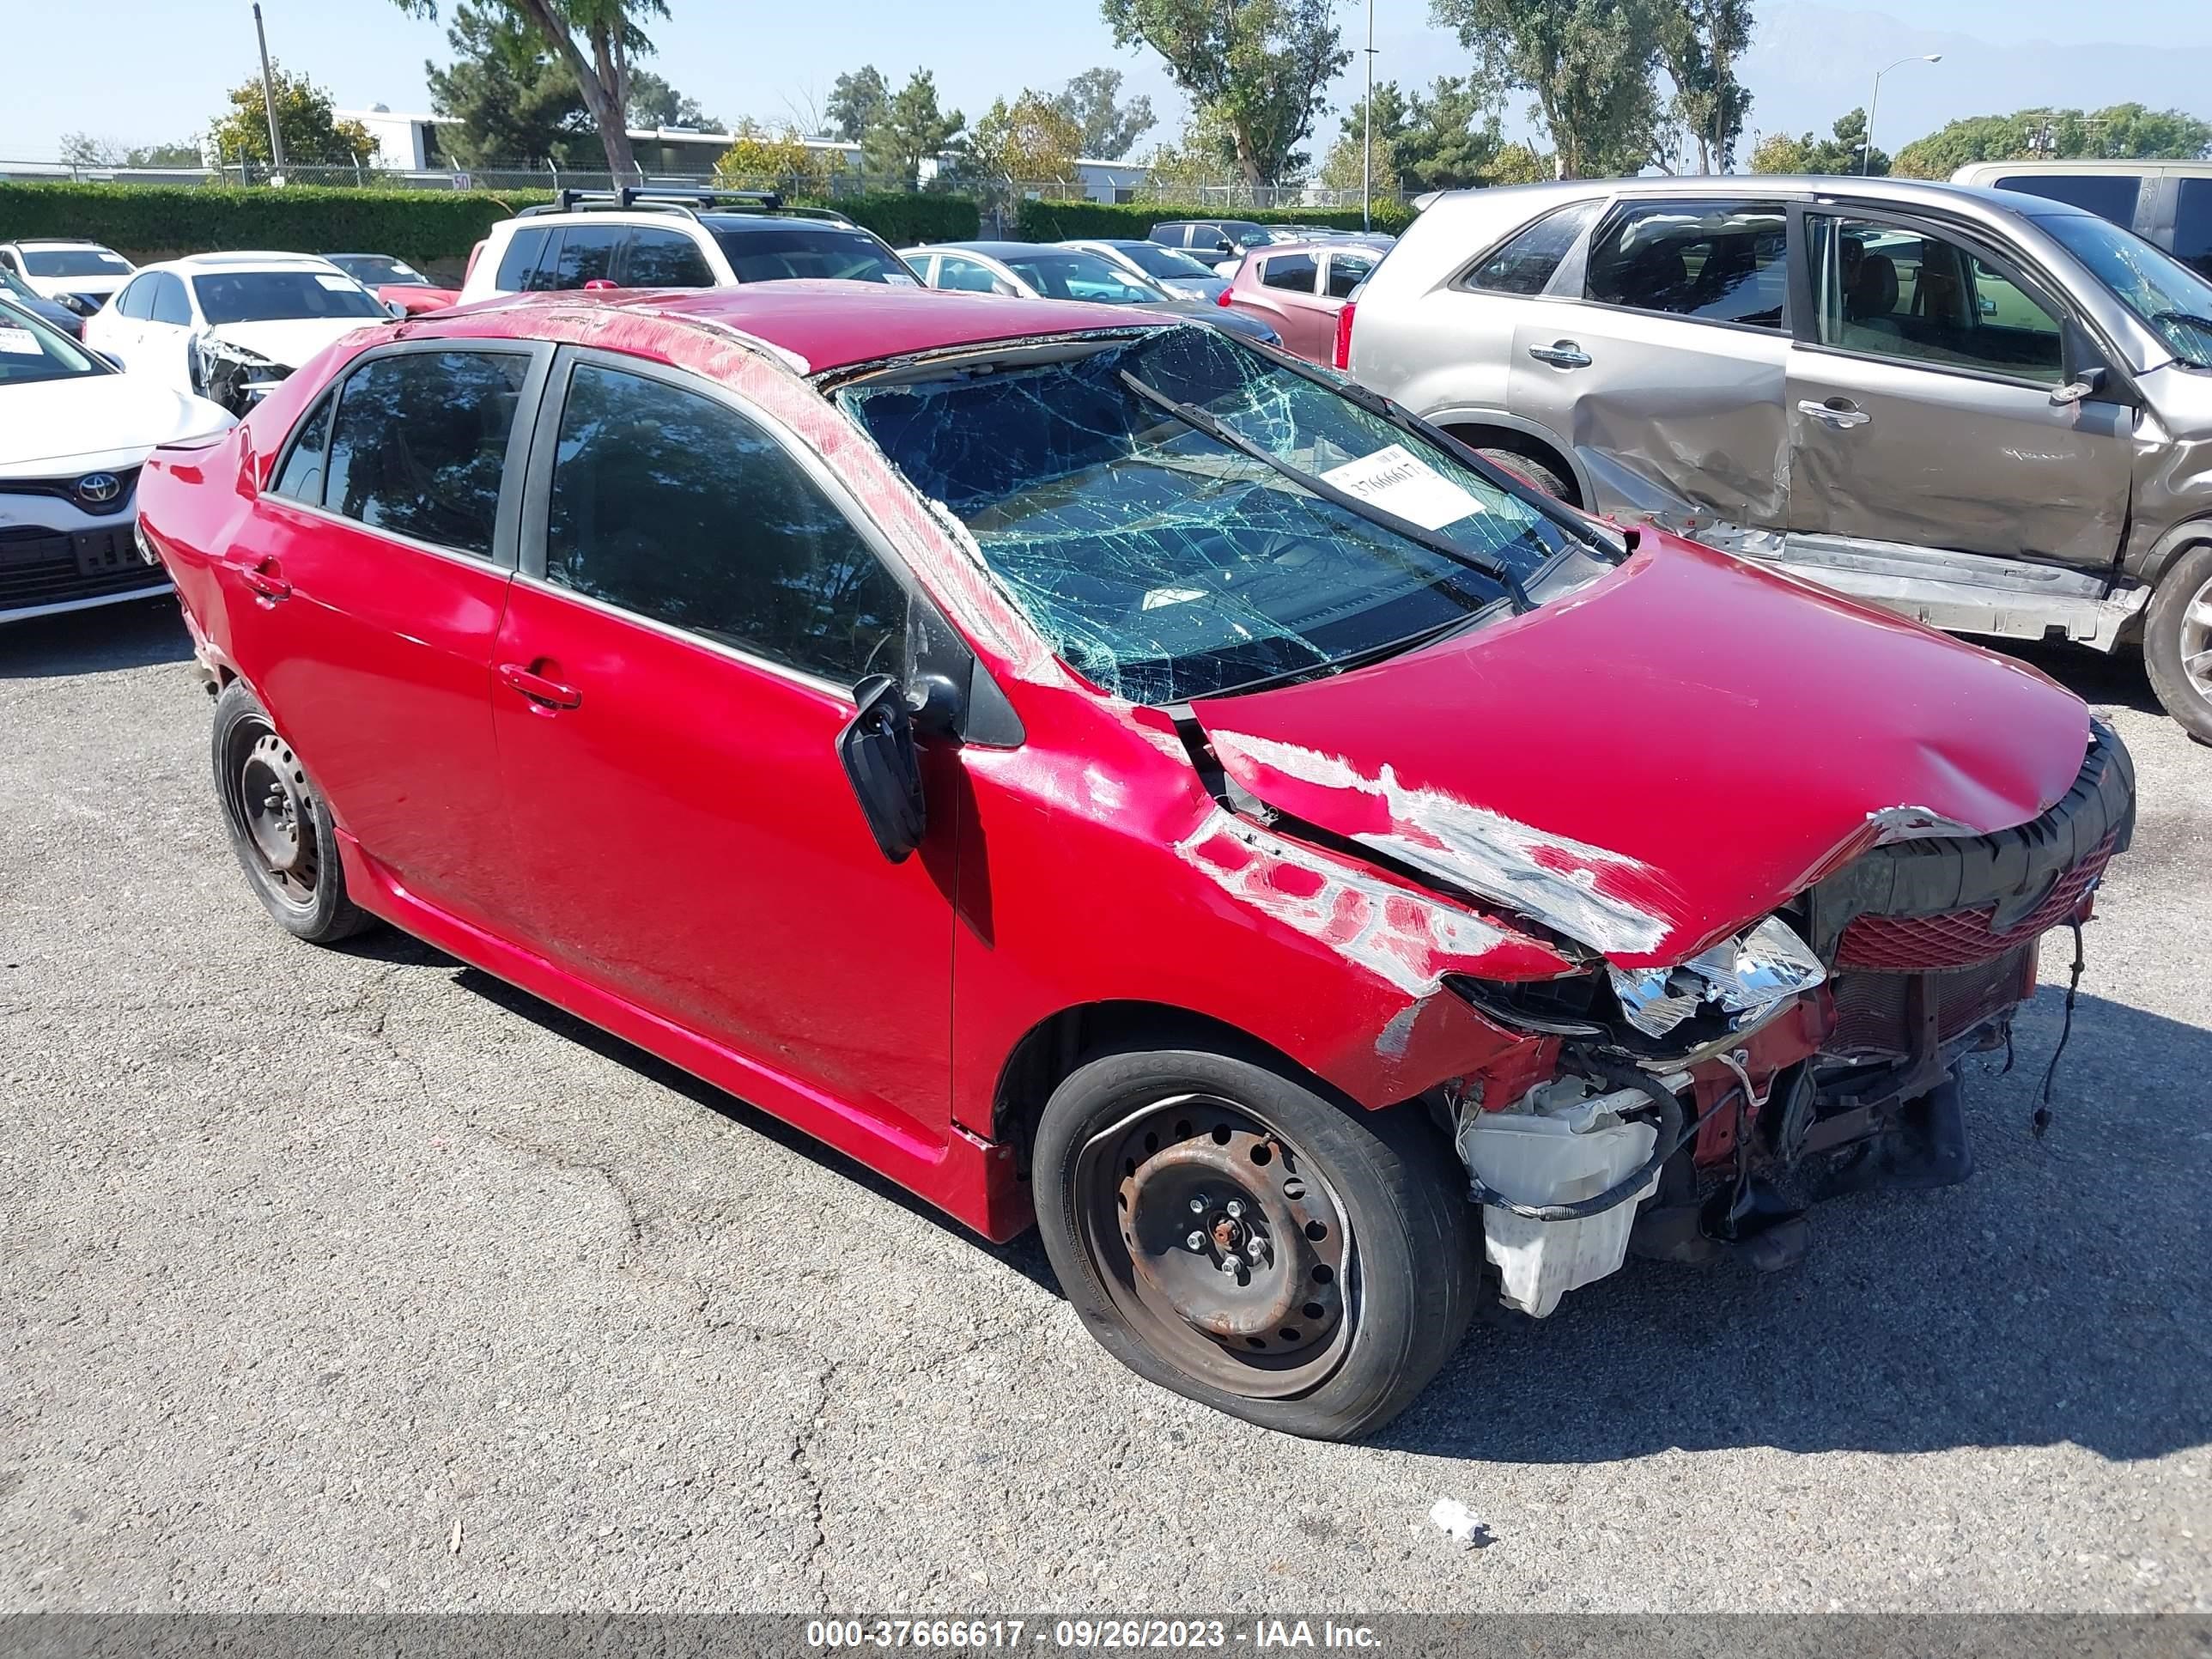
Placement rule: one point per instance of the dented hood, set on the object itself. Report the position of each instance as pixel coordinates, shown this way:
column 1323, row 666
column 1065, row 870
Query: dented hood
column 1663, row 755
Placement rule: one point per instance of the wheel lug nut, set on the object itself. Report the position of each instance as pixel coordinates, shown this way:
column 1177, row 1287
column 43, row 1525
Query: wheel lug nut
column 1196, row 1241
column 1235, row 1207
column 1201, row 1205
column 1228, row 1265
column 1255, row 1249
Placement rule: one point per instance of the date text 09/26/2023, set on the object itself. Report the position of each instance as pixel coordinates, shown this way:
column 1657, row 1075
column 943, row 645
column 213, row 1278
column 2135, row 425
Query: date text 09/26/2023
column 1168, row 1634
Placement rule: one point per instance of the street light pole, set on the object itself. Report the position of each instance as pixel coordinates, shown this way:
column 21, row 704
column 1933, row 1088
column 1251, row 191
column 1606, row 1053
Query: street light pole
column 1873, row 105
column 1367, row 133
column 268, row 95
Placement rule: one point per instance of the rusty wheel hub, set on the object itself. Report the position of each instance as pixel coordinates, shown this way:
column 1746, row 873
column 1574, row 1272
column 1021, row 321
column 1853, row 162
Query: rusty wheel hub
column 1232, row 1245
column 271, row 800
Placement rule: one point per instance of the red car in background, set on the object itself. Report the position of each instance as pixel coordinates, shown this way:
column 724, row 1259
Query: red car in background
column 395, row 281
column 1302, row 289
column 1096, row 770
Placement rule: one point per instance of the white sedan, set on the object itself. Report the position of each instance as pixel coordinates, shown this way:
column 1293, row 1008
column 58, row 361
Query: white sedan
column 230, row 326
column 73, row 433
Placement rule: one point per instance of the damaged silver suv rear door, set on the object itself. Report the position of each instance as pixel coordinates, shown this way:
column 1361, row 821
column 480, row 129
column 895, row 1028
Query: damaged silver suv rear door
column 1989, row 412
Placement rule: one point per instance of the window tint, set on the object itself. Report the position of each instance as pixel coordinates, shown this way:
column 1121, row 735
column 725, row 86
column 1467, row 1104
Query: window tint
column 963, row 274
column 778, row 251
column 1347, row 271
column 137, row 299
column 303, row 477
column 587, row 255
column 1722, row 262
column 518, row 266
column 2109, row 195
column 170, row 305
column 1291, row 271
column 1889, row 293
column 666, row 259
column 419, row 445
column 1526, row 264
column 2192, row 226
column 674, row 505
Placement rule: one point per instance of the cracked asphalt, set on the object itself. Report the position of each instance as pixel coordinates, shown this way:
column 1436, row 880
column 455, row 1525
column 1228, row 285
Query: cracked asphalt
column 353, row 1279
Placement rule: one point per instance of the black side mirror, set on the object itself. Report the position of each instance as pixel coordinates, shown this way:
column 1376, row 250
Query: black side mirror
column 2086, row 383
column 877, row 751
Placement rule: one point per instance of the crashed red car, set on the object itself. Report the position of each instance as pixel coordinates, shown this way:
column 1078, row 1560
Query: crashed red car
column 1103, row 771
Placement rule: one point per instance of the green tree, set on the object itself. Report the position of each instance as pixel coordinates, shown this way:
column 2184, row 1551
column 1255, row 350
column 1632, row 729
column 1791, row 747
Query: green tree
column 1260, row 67
column 1452, row 135
column 856, row 102
column 512, row 100
column 83, row 150
column 1588, row 63
column 1349, row 163
column 311, row 135
column 1700, row 43
column 1106, row 127
column 1842, row 152
column 595, row 40
column 911, row 129
column 759, row 159
column 1521, row 164
column 654, row 103
column 2122, row 132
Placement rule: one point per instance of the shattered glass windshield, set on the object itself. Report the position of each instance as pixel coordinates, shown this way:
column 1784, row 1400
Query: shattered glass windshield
column 1159, row 562
column 2159, row 288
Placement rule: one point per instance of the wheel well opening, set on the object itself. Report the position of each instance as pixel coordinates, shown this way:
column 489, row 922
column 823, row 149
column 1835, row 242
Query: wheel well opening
column 1476, row 436
column 1056, row 1045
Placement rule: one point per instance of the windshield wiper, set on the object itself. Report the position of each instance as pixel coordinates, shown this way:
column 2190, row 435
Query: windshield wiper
column 1199, row 421
column 2189, row 320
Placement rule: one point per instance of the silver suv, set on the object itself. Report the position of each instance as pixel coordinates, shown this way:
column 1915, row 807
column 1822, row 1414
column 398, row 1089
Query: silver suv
column 1989, row 411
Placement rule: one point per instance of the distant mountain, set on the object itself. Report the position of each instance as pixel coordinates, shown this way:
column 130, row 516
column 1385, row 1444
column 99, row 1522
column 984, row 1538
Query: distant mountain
column 1809, row 64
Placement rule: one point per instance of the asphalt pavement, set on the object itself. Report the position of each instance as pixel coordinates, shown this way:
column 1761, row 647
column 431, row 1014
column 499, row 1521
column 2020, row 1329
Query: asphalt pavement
column 353, row 1279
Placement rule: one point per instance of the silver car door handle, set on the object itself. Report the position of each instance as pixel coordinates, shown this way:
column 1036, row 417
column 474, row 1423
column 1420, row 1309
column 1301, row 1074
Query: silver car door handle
column 1841, row 419
column 1565, row 354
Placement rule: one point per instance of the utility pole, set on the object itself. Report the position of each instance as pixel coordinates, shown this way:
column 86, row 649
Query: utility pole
column 1367, row 133
column 268, row 96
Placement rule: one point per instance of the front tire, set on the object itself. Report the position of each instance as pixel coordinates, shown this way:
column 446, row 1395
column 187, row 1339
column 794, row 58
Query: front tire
column 2177, row 642
column 1232, row 1233
column 279, row 828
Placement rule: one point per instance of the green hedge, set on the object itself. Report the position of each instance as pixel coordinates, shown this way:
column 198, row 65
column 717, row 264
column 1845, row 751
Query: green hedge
column 1055, row 222
column 425, row 227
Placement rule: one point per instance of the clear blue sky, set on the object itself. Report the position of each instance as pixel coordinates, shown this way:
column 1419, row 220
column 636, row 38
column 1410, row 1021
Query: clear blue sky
column 146, row 70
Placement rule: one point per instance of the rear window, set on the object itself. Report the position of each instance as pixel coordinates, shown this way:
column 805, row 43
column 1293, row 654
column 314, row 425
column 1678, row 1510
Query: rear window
column 73, row 262
column 1293, row 272
column 2108, row 194
column 1526, row 263
column 260, row 297
column 786, row 252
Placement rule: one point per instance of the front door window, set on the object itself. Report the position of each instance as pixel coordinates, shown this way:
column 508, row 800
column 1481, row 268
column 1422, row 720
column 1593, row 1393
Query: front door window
column 1884, row 291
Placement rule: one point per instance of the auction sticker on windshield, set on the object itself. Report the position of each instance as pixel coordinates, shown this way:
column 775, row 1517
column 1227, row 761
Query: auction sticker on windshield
column 20, row 342
column 1398, row 480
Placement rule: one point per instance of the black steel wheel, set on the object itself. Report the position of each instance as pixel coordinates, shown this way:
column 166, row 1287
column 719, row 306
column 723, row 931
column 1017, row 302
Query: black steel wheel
column 2177, row 642
column 279, row 827
column 1230, row 1231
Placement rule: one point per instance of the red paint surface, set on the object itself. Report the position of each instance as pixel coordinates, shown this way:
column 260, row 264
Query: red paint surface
column 676, row 858
column 415, row 299
column 1307, row 322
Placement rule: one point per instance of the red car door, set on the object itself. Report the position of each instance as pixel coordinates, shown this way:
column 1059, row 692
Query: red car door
column 364, row 595
column 673, row 671
column 1281, row 290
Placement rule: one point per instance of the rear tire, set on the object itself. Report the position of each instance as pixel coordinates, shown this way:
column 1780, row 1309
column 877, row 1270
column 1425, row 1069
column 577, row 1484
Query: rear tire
column 2177, row 642
column 1323, row 1303
column 1542, row 474
column 279, row 827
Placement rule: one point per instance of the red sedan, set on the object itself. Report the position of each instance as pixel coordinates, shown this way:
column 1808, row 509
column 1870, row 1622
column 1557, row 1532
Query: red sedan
column 1100, row 771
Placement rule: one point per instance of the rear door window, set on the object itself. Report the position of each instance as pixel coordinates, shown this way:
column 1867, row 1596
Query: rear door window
column 518, row 266
column 2108, row 194
column 670, row 504
column 1293, row 272
column 965, row 275
column 1526, row 263
column 1347, row 271
column 1720, row 262
column 170, row 305
column 136, row 300
column 2192, row 226
column 665, row 258
column 419, row 445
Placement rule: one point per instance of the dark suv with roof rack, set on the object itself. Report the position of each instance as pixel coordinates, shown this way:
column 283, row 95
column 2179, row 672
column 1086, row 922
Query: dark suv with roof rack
column 702, row 239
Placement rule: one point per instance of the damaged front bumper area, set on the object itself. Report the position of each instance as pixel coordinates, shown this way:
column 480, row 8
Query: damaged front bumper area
column 1688, row 1112
column 230, row 375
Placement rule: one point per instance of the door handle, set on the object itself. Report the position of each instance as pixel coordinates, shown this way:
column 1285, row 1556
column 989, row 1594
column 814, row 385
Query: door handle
column 266, row 580
column 550, row 693
column 1561, row 354
column 1842, row 419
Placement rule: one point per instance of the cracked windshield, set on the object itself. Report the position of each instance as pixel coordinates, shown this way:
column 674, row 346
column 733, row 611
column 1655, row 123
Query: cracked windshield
column 1162, row 562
